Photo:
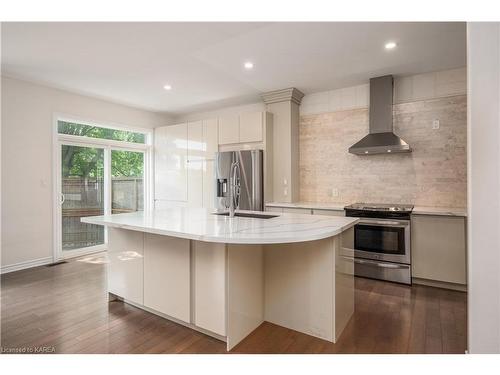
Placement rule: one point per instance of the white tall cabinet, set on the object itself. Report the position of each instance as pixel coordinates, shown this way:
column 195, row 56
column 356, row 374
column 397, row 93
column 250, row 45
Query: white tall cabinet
column 196, row 156
column 184, row 157
column 171, row 155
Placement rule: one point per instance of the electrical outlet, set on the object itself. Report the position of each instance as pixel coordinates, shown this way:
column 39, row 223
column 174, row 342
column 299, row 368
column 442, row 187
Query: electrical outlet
column 285, row 192
column 335, row 192
column 435, row 124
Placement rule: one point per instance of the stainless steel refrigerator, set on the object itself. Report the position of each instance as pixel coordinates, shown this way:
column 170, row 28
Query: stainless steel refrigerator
column 251, row 179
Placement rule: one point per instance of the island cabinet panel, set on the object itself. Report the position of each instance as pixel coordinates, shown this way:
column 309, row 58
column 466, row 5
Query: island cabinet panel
column 245, row 291
column 344, row 280
column 171, row 153
column 210, row 286
column 125, row 267
column 438, row 248
column 298, row 275
column 167, row 275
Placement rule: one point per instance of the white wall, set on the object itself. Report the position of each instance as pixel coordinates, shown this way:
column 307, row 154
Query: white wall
column 406, row 89
column 26, row 156
column 484, row 187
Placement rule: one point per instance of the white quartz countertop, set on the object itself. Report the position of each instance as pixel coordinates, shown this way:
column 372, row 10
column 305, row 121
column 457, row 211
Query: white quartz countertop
column 417, row 210
column 202, row 225
column 440, row 211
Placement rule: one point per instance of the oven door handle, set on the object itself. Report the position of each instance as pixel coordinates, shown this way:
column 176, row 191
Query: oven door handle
column 382, row 265
column 384, row 223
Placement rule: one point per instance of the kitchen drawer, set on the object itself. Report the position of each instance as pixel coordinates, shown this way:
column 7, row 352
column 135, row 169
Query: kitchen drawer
column 399, row 273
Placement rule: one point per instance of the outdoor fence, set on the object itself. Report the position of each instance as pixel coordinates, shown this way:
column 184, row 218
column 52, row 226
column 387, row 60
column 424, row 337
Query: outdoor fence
column 85, row 197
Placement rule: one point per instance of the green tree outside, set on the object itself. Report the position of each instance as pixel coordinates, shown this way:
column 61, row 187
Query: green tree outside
column 88, row 162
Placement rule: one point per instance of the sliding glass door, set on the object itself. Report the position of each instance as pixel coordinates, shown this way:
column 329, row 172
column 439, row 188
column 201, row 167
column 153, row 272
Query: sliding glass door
column 99, row 171
column 82, row 194
column 127, row 181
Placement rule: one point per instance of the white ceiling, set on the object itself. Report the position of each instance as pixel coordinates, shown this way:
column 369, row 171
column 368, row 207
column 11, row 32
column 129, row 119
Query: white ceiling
column 130, row 62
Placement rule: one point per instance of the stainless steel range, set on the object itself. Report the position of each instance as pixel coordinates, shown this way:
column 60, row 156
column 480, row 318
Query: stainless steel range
column 382, row 241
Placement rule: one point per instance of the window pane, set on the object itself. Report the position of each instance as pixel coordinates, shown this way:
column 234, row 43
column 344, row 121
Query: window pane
column 82, row 188
column 127, row 186
column 82, row 130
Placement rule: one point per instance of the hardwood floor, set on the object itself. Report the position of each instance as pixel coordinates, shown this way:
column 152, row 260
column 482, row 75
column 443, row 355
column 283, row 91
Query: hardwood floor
column 64, row 308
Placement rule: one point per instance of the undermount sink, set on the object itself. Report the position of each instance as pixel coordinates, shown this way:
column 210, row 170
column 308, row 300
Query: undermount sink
column 243, row 214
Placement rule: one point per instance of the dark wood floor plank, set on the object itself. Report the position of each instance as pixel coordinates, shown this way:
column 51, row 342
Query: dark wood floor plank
column 66, row 307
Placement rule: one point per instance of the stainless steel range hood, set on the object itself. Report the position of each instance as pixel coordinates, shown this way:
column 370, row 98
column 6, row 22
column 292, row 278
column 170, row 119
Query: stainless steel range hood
column 381, row 139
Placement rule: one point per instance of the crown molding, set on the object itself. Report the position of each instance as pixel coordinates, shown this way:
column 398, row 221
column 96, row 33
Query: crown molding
column 284, row 95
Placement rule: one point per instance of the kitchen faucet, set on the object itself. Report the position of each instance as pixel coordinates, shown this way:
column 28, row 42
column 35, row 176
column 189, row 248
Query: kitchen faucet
column 234, row 188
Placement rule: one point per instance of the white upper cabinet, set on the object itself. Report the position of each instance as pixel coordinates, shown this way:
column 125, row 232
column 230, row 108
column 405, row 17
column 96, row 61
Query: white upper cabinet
column 251, row 124
column 202, row 139
column 242, row 128
column 171, row 154
column 229, row 129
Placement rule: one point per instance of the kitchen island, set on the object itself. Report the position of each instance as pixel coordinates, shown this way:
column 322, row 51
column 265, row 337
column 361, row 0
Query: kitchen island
column 224, row 276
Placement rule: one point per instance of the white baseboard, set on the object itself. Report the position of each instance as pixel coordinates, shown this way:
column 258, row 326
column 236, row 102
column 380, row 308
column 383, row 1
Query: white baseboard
column 439, row 284
column 28, row 264
column 84, row 251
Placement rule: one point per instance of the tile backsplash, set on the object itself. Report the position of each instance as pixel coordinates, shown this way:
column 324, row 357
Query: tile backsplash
column 434, row 174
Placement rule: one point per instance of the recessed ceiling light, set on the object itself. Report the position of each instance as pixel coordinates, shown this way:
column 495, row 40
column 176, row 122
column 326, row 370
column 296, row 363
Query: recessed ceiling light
column 390, row 45
column 167, row 87
column 248, row 65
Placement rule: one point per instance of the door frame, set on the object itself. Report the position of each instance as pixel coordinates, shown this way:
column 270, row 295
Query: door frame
column 108, row 146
